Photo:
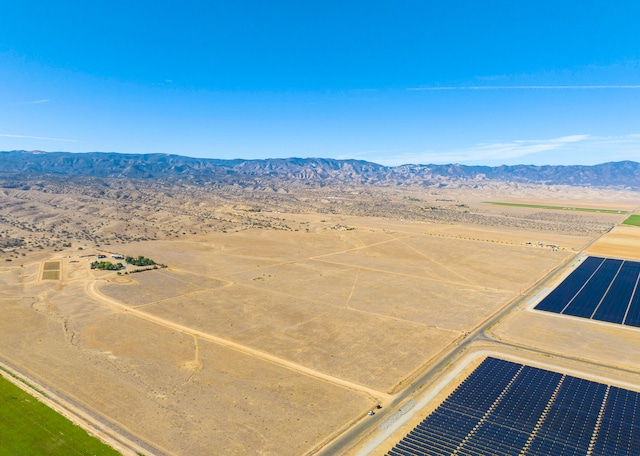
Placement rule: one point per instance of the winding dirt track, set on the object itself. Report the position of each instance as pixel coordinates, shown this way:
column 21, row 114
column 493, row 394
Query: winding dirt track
column 94, row 293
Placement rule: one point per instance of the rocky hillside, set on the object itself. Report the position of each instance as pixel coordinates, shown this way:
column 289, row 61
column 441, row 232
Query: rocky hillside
column 317, row 171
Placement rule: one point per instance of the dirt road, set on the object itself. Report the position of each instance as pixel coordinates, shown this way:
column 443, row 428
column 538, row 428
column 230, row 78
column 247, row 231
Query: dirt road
column 378, row 396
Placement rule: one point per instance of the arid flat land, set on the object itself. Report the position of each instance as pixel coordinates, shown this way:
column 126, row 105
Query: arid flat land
column 621, row 242
column 273, row 331
column 360, row 305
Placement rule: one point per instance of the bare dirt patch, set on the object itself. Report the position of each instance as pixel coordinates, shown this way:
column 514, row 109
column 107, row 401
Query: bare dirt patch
column 269, row 332
column 155, row 383
column 363, row 305
column 218, row 399
column 599, row 342
column 621, row 242
column 157, row 285
column 371, row 350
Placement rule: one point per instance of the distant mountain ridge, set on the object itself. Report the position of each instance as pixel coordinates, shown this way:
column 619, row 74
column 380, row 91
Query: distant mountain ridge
column 24, row 164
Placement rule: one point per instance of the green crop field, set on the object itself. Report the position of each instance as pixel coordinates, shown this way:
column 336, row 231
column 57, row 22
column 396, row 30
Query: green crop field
column 558, row 208
column 632, row 220
column 28, row 427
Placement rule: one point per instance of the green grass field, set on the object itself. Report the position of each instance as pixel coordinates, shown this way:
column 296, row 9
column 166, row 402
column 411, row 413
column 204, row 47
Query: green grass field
column 632, row 220
column 558, row 208
column 28, row 427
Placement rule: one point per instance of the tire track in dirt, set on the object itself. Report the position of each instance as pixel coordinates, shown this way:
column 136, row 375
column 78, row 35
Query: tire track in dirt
column 386, row 241
column 412, row 276
column 467, row 282
column 376, row 395
column 438, row 263
column 353, row 289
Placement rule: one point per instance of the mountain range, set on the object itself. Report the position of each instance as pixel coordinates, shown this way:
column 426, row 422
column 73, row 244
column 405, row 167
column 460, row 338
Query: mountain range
column 319, row 171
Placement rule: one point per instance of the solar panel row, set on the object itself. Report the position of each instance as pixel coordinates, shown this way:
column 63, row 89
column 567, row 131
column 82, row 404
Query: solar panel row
column 557, row 300
column 505, row 408
column 600, row 289
column 620, row 422
column 584, row 303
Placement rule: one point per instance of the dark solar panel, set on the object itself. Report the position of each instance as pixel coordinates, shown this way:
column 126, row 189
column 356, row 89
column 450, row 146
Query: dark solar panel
column 525, row 401
column 505, row 408
column 619, row 429
column 633, row 315
column 600, row 289
column 573, row 414
column 447, row 423
column 549, row 448
column 481, row 388
column 563, row 293
column 585, row 302
column 491, row 438
column 446, row 427
column 615, row 304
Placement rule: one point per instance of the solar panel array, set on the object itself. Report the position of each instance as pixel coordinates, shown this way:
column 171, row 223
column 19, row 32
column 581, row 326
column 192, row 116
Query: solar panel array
column 602, row 289
column 506, row 408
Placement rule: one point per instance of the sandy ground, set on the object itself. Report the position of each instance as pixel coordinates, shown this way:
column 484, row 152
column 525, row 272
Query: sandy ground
column 250, row 333
column 621, row 242
column 269, row 341
column 365, row 306
column 598, row 342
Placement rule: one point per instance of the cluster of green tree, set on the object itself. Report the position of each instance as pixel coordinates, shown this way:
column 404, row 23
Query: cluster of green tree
column 140, row 261
column 148, row 268
column 106, row 266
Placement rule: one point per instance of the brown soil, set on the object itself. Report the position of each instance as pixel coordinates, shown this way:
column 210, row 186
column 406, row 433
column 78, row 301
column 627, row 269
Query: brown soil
column 272, row 332
column 621, row 242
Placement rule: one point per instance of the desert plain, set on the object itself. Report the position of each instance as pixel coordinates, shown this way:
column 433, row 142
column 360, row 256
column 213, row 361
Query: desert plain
column 282, row 318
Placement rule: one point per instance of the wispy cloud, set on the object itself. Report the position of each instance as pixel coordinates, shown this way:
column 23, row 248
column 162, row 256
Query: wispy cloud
column 490, row 152
column 527, row 87
column 570, row 149
column 30, row 102
column 38, row 137
column 610, row 148
column 519, row 148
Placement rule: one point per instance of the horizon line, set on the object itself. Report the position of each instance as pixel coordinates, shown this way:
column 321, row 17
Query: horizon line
column 437, row 163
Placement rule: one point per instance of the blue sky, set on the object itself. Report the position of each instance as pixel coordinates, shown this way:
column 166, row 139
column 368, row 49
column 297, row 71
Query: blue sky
column 491, row 82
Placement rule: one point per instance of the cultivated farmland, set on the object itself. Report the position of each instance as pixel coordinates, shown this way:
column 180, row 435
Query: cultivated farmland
column 27, row 426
